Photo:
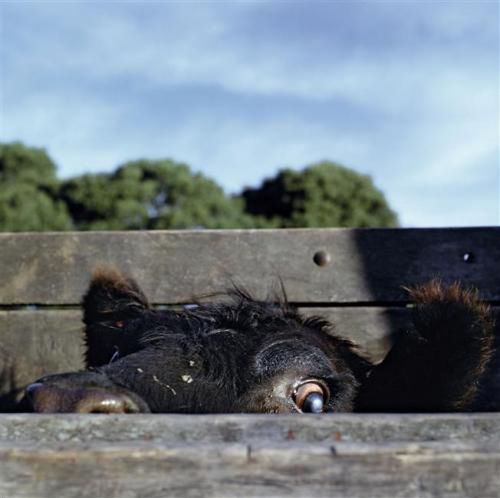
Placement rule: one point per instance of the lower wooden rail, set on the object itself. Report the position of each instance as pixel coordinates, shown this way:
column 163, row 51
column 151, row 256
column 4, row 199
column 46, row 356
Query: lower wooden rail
column 250, row 455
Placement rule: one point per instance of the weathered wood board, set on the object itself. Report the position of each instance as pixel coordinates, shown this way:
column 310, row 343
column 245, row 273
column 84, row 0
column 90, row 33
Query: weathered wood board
column 82, row 429
column 42, row 278
column 34, row 344
column 365, row 265
column 239, row 470
column 272, row 463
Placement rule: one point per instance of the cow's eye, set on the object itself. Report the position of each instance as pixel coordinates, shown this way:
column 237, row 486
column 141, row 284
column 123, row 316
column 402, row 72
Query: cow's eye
column 114, row 324
column 311, row 396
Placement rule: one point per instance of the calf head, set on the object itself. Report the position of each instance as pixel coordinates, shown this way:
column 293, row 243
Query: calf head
column 243, row 355
column 238, row 355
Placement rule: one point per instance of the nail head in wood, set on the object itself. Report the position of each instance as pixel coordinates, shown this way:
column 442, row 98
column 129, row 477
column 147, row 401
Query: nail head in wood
column 321, row 258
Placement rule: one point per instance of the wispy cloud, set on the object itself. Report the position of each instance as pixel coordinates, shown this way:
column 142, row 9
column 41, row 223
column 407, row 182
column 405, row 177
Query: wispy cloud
column 405, row 92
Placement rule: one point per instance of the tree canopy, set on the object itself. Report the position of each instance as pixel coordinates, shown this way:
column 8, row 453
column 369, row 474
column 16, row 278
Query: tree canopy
column 325, row 194
column 151, row 194
column 29, row 191
column 164, row 194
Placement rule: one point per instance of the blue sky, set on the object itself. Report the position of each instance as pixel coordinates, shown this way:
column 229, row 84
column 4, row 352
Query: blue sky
column 405, row 91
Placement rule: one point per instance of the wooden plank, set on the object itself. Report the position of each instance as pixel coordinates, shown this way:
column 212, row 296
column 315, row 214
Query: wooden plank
column 36, row 343
column 242, row 470
column 341, row 455
column 365, row 265
column 78, row 429
column 371, row 328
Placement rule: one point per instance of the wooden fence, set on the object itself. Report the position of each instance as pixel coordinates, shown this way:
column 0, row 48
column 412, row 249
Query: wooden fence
column 353, row 277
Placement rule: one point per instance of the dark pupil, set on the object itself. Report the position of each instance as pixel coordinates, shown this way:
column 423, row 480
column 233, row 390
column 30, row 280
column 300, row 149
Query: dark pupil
column 313, row 403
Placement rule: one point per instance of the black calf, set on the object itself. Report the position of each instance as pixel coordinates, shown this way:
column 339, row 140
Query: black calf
column 244, row 355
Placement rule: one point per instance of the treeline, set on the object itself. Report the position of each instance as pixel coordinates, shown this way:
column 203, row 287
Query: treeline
column 164, row 194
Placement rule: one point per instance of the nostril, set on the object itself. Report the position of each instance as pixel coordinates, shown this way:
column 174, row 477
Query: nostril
column 45, row 398
column 31, row 390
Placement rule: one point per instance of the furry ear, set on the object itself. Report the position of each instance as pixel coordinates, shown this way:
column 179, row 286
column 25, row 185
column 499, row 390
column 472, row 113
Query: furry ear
column 110, row 303
column 111, row 294
column 437, row 365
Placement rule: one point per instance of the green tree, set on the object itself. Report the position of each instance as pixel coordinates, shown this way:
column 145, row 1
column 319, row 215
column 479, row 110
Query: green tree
column 322, row 195
column 29, row 191
column 154, row 195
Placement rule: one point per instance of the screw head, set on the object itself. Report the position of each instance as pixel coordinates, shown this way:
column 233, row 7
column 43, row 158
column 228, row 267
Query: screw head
column 321, row 258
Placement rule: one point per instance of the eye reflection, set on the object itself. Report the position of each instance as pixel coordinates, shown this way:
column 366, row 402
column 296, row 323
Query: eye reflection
column 314, row 403
column 310, row 397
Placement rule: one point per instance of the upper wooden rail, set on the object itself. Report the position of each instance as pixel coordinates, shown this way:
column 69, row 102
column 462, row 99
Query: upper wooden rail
column 362, row 265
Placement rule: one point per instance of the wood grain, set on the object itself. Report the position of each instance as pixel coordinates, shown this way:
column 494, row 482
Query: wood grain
column 248, row 470
column 34, row 344
column 367, row 265
column 339, row 455
column 81, row 429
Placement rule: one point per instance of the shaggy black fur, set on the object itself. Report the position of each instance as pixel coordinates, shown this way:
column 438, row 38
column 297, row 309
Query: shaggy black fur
column 243, row 355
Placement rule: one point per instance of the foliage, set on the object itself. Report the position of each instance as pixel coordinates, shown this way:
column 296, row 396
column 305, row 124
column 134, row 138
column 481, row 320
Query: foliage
column 164, row 194
column 322, row 195
column 153, row 195
column 28, row 194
